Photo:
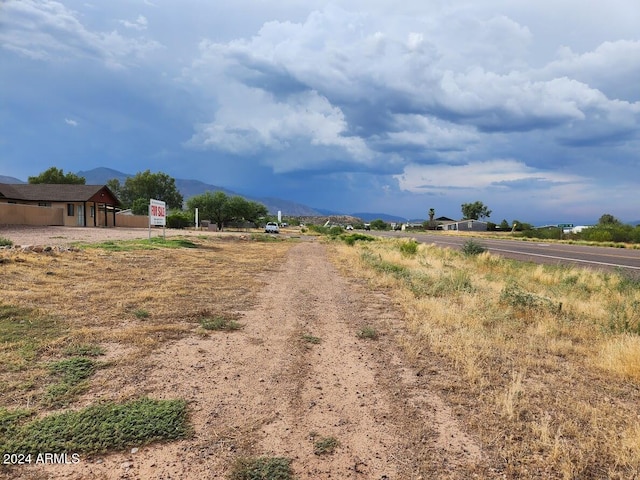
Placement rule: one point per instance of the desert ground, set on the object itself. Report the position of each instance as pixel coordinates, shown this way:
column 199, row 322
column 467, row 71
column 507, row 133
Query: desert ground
column 264, row 390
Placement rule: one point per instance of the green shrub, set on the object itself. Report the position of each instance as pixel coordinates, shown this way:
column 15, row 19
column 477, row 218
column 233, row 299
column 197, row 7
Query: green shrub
column 368, row 333
column 325, row 445
column 472, row 247
column 409, row 247
column 623, row 317
column 5, row 242
column 515, row 296
column 352, row 238
column 179, row 219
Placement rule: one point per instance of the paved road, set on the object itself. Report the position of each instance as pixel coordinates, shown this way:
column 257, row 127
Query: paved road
column 602, row 258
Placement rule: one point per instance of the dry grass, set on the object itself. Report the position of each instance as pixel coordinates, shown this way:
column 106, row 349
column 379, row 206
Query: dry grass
column 95, row 297
column 542, row 362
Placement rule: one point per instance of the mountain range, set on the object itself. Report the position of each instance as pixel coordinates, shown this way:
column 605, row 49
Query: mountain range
column 189, row 188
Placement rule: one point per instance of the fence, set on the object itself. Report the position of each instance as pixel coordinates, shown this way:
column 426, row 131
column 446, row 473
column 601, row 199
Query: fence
column 14, row 214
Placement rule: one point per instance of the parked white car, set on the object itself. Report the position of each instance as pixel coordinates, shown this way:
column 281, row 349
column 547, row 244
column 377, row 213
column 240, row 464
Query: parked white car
column 271, row 227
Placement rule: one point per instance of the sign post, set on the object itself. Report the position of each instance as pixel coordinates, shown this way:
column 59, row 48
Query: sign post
column 157, row 215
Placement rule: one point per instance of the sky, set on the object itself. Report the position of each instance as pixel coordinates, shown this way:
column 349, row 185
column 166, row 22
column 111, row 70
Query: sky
column 532, row 108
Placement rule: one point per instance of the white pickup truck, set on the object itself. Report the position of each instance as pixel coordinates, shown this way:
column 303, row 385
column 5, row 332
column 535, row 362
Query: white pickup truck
column 271, row 227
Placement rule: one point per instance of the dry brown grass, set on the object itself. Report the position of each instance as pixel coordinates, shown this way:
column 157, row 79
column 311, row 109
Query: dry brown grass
column 541, row 362
column 128, row 302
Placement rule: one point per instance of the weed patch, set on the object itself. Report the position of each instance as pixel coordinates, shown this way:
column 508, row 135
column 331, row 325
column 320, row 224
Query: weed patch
column 219, row 323
column 351, row 239
column 408, row 248
column 325, row 445
column 141, row 313
column 83, row 350
column 311, row 339
column 472, row 248
column 516, row 297
column 262, row 468
column 71, row 373
column 368, row 332
column 140, row 244
column 5, row 242
column 95, row 429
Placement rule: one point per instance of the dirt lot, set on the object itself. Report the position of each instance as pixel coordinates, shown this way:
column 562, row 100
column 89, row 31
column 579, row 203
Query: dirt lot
column 297, row 372
column 52, row 236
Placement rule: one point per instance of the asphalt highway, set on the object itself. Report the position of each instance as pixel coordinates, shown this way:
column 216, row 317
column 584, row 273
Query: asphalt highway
column 600, row 258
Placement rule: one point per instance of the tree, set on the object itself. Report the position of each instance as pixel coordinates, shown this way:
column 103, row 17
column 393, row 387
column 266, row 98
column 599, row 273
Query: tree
column 608, row 219
column 475, row 211
column 379, row 224
column 221, row 209
column 57, row 176
column 115, row 186
column 432, row 213
column 144, row 186
column 504, row 225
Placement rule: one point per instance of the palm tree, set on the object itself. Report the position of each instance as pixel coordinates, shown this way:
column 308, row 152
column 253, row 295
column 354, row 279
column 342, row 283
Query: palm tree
column 432, row 213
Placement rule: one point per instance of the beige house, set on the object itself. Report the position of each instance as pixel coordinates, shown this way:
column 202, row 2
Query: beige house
column 60, row 204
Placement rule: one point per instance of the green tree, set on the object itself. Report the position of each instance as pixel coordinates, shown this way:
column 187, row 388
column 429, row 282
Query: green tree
column 504, row 225
column 380, row 225
column 115, row 186
column 608, row 219
column 211, row 206
column 221, row 209
column 432, row 213
column 475, row 210
column 144, row 186
column 57, row 176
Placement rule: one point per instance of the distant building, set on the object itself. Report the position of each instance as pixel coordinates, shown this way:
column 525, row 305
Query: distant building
column 468, row 225
column 57, row 204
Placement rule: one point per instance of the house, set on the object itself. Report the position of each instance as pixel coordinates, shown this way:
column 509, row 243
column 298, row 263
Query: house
column 59, row 204
column 467, row 225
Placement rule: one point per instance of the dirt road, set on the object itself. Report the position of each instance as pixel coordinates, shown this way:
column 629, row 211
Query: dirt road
column 295, row 374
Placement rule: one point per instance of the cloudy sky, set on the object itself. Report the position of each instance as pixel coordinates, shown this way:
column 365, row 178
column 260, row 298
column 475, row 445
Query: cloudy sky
column 357, row 106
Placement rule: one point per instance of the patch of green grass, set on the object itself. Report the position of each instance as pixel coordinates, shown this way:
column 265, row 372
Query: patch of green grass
column 624, row 317
column 72, row 373
column 448, row 283
column 262, row 468
column 351, row 239
column 73, row 370
column 219, row 323
column 140, row 244
column 141, row 313
column 83, row 350
column 368, row 332
column 10, row 419
column 95, row 429
column 24, row 331
column 265, row 237
column 5, row 242
column 325, row 445
column 384, row 266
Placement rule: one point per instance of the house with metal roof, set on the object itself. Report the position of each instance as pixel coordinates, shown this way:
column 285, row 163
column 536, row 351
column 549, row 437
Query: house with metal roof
column 466, row 225
column 57, row 204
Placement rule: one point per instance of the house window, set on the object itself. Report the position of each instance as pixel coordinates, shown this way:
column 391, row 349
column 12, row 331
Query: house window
column 44, row 204
column 470, row 225
column 70, row 212
column 92, row 211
